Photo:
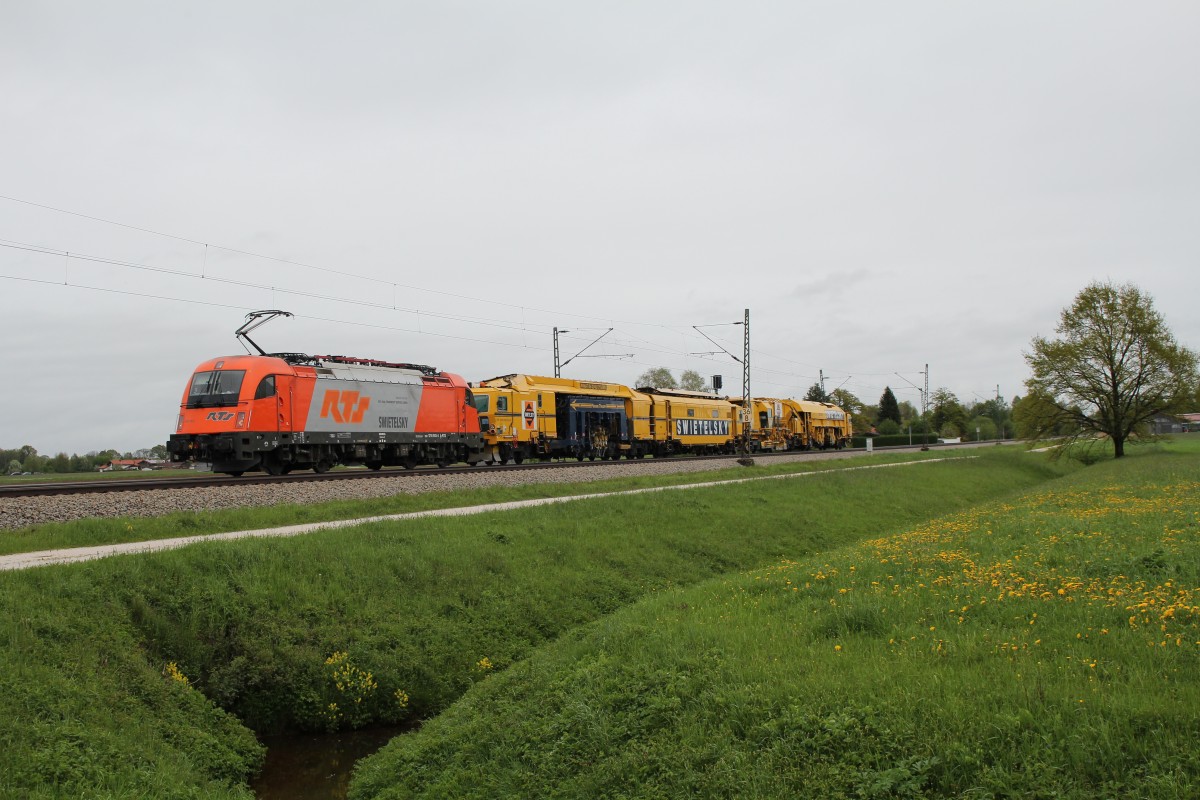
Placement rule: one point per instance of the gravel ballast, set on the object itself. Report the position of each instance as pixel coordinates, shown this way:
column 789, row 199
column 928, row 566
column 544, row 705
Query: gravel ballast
column 26, row 511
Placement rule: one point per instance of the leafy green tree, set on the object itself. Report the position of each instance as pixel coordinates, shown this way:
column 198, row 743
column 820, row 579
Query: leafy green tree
column 985, row 426
column 949, row 417
column 658, row 378
column 14, row 466
column 888, row 427
column 692, row 381
column 816, row 393
column 1031, row 414
column 846, row 400
column 888, row 407
column 1114, row 366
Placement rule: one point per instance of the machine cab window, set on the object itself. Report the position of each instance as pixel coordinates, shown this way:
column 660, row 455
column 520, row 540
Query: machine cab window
column 266, row 388
column 501, row 404
column 215, row 389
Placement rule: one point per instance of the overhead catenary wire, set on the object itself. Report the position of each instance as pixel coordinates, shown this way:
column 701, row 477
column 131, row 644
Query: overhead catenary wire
column 524, row 327
column 393, row 284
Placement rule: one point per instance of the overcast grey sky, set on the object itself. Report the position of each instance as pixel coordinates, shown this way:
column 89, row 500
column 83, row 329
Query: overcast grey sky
column 882, row 184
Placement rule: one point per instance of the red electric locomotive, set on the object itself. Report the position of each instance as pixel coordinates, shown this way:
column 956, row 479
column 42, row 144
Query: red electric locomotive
column 283, row 411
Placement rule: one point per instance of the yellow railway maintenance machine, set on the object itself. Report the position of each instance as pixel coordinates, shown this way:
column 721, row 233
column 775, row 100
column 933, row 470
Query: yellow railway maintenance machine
column 686, row 422
column 827, row 425
column 775, row 425
column 533, row 416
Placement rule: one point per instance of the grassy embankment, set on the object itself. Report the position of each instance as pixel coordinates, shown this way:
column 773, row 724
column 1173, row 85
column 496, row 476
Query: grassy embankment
column 112, row 672
column 1045, row 645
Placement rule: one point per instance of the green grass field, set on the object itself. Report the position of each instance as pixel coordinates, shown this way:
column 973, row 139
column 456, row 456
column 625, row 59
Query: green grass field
column 1045, row 645
column 636, row 646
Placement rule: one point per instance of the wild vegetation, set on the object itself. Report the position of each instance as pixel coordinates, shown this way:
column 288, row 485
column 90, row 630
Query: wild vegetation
column 140, row 676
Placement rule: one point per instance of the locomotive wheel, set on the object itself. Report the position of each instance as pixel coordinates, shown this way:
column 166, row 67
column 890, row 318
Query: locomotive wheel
column 375, row 466
column 519, row 457
column 322, row 466
column 273, row 466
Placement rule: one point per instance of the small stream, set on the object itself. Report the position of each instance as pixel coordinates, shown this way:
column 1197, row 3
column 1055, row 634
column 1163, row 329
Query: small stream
column 316, row 766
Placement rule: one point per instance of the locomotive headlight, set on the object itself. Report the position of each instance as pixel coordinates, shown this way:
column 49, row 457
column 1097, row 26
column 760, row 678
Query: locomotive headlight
column 241, row 419
column 179, row 424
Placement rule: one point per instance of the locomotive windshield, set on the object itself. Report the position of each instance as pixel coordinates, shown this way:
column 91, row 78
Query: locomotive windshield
column 215, row 389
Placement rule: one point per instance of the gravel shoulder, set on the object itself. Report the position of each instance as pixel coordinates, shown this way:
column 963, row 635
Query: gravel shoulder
column 23, row 512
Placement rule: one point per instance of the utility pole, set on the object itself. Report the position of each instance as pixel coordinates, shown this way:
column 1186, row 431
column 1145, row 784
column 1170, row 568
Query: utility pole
column 557, row 368
column 746, row 387
column 925, row 397
column 821, row 373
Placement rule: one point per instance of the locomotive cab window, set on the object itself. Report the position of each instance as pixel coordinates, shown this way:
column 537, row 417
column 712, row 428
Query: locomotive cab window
column 217, row 388
column 266, row 388
column 481, row 403
column 501, row 403
column 762, row 419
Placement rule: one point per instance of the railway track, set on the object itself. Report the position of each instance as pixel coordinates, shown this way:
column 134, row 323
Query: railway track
column 51, row 488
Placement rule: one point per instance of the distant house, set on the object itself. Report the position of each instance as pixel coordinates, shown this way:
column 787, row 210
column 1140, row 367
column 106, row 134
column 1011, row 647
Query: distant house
column 125, row 463
column 1191, row 422
column 1165, row 423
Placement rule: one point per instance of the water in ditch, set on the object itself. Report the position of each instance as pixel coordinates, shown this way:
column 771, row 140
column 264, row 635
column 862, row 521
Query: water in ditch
column 316, row 766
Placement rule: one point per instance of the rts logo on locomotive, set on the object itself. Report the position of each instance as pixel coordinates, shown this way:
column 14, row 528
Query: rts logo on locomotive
column 344, row 406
